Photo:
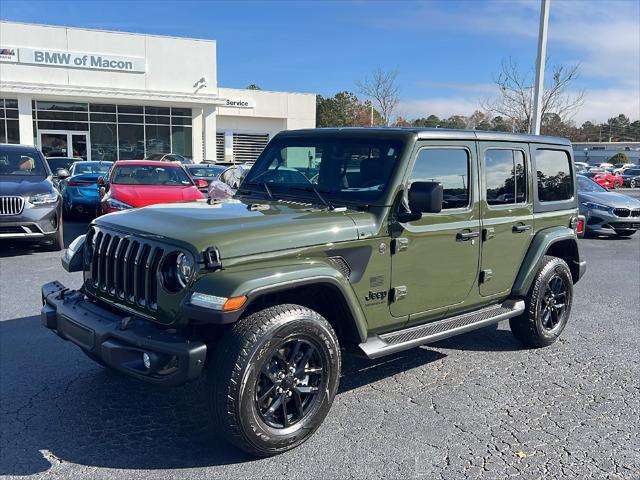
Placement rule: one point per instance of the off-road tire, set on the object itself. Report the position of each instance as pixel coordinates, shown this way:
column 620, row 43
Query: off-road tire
column 528, row 328
column 234, row 370
column 625, row 233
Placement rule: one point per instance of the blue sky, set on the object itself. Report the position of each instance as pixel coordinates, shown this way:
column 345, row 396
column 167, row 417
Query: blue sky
column 446, row 52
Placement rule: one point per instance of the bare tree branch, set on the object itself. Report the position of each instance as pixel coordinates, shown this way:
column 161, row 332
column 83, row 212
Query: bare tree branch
column 382, row 88
column 515, row 98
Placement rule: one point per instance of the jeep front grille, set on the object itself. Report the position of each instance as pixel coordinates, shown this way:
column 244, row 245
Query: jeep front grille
column 126, row 268
column 11, row 205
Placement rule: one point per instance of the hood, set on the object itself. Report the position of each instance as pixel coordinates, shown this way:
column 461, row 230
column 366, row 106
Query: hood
column 610, row 199
column 238, row 227
column 24, row 186
column 144, row 195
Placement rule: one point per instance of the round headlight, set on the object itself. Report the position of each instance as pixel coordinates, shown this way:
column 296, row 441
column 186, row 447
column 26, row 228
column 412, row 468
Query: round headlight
column 184, row 268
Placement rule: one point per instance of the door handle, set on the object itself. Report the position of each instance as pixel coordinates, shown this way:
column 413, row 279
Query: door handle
column 520, row 228
column 465, row 236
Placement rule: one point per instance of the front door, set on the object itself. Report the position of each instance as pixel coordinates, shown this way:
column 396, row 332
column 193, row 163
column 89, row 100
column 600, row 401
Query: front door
column 507, row 213
column 56, row 143
column 435, row 259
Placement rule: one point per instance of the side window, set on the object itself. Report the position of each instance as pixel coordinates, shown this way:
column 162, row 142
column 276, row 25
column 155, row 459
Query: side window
column 505, row 177
column 448, row 166
column 554, row 175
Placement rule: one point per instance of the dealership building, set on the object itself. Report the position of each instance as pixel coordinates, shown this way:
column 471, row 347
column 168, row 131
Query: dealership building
column 106, row 95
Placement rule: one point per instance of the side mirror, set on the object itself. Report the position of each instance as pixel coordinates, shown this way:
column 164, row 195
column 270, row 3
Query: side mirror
column 425, row 197
column 62, row 173
column 101, row 181
column 202, row 183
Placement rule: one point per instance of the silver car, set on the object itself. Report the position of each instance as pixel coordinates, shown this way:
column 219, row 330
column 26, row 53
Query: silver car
column 607, row 211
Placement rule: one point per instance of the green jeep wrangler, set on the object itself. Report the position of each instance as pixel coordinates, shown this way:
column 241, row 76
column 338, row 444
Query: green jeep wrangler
column 385, row 239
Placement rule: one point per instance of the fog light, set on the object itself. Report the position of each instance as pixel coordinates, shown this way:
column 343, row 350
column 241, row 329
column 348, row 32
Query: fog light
column 146, row 359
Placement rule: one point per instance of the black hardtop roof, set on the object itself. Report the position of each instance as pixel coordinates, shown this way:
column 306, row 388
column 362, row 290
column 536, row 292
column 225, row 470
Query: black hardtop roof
column 426, row 134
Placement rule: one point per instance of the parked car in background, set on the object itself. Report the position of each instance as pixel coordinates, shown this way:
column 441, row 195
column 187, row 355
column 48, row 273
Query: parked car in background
column 30, row 204
column 138, row 183
column 170, row 157
column 581, row 165
column 631, row 177
column 607, row 211
column 206, row 172
column 80, row 189
column 228, row 182
column 605, row 179
column 60, row 167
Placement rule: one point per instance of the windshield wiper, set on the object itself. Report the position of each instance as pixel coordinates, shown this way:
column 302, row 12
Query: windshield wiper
column 261, row 184
column 316, row 191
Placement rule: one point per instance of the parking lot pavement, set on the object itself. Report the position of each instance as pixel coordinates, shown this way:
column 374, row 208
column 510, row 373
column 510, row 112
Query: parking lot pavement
column 477, row 405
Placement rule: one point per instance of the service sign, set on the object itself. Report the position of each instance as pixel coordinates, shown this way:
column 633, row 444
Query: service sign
column 240, row 103
column 91, row 61
column 8, row 54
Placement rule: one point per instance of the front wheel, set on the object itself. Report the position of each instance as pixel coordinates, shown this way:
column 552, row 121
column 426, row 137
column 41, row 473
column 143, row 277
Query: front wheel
column 633, row 183
column 273, row 378
column 57, row 239
column 548, row 305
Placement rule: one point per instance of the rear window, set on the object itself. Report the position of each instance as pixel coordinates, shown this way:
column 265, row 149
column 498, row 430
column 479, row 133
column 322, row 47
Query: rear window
column 553, row 170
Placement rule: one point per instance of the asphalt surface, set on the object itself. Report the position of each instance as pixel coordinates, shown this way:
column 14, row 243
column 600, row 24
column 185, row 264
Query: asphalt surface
column 475, row 406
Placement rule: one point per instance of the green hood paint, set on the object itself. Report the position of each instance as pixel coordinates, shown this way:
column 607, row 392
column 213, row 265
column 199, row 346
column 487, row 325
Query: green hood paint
column 240, row 227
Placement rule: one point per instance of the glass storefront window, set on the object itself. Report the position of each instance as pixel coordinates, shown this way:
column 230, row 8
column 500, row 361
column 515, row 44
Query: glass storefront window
column 9, row 129
column 131, row 142
column 181, row 140
column 158, row 139
column 117, row 132
column 104, row 142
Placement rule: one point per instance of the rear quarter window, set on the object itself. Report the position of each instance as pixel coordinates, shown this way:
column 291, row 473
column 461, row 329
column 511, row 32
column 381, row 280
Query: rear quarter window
column 554, row 176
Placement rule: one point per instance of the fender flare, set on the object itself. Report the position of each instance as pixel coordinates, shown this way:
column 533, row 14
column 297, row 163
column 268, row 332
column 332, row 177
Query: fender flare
column 255, row 283
column 540, row 244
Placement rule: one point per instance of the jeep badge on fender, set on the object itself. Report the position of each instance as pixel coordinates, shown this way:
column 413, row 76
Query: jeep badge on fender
column 261, row 291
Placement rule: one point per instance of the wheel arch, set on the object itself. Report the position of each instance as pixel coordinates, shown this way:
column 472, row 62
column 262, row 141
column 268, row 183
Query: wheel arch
column 559, row 242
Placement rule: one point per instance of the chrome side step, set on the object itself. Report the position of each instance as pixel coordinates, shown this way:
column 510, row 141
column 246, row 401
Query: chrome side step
column 387, row 343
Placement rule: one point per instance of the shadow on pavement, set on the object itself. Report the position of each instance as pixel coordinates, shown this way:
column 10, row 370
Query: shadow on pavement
column 58, row 406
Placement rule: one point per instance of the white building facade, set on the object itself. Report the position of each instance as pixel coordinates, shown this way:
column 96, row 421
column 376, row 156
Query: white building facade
column 105, row 95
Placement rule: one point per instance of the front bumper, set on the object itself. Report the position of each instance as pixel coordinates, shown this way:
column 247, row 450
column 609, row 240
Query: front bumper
column 33, row 222
column 121, row 341
column 600, row 220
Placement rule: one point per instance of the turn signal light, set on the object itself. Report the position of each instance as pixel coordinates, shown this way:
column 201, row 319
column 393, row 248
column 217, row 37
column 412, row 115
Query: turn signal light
column 234, row 303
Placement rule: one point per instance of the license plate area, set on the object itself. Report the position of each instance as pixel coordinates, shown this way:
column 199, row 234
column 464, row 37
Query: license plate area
column 79, row 334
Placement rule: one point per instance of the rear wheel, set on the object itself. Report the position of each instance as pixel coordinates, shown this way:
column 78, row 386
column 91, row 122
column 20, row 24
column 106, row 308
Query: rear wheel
column 273, row 378
column 625, row 233
column 548, row 305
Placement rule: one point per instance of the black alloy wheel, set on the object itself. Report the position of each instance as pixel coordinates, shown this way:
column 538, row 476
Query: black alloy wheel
column 289, row 383
column 553, row 304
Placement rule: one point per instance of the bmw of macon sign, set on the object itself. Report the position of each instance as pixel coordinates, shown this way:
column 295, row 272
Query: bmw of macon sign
column 91, row 61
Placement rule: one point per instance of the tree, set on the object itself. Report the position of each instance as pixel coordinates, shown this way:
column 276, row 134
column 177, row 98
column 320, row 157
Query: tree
column 253, row 86
column 382, row 88
column 344, row 109
column 515, row 100
column 619, row 157
column 432, row 121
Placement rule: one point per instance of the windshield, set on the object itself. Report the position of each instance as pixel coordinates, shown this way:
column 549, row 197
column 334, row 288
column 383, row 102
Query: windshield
column 206, row 171
column 56, row 163
column 91, row 167
column 150, row 175
column 21, row 163
column 350, row 170
column 587, row 185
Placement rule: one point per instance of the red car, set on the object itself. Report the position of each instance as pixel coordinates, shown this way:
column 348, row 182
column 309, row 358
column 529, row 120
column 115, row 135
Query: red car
column 605, row 179
column 133, row 184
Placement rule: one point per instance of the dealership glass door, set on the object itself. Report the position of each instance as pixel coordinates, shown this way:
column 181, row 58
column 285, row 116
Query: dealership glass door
column 55, row 143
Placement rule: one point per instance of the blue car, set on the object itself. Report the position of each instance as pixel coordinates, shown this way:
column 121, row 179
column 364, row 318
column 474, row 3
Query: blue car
column 80, row 189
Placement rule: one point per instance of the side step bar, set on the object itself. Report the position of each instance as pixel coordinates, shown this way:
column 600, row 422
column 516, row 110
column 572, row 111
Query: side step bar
column 387, row 343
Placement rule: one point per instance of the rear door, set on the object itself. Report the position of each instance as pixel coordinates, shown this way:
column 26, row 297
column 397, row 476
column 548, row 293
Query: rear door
column 507, row 213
